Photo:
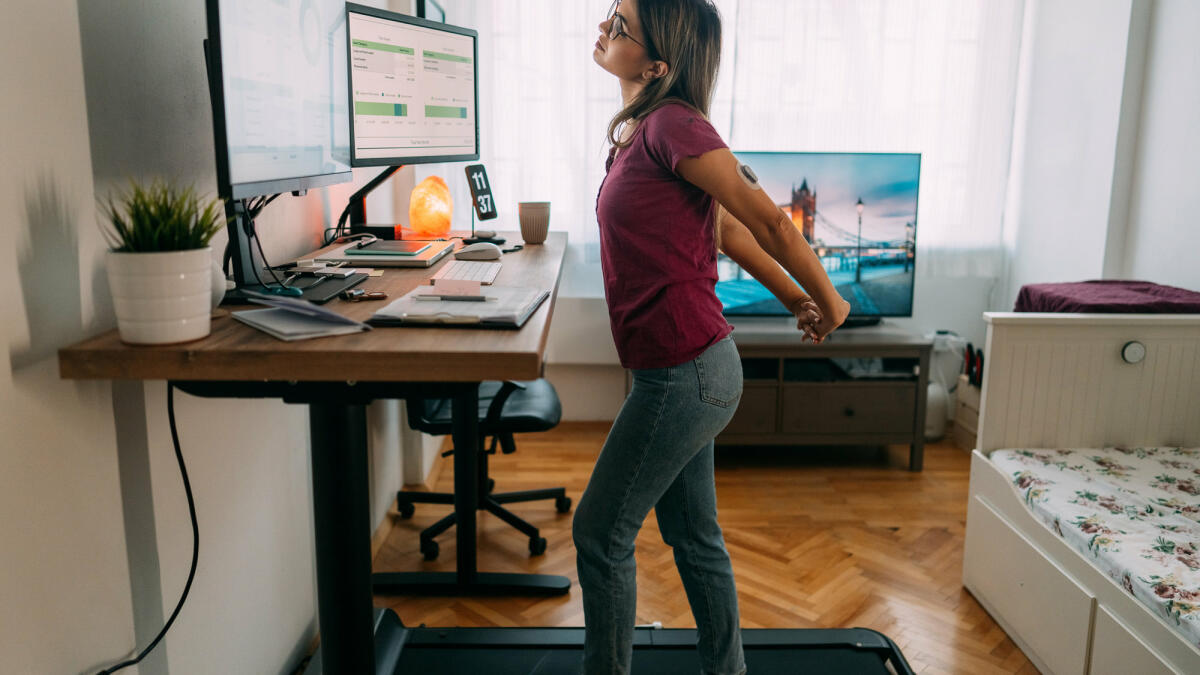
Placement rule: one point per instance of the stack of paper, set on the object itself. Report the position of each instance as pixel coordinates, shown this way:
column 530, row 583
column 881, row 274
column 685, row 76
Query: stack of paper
column 290, row 319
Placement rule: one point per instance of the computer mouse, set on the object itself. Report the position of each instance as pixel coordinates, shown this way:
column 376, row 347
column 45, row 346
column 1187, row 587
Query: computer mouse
column 481, row 251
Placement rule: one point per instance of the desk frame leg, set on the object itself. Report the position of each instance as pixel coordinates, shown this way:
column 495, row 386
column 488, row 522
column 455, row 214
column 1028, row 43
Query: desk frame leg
column 465, row 432
column 342, row 524
column 467, row 580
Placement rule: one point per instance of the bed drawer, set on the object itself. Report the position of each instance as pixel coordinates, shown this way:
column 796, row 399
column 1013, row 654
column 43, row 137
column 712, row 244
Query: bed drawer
column 1117, row 651
column 1020, row 587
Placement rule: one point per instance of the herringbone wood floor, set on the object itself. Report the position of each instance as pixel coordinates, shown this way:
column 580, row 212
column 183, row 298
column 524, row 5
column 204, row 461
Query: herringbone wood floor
column 833, row 537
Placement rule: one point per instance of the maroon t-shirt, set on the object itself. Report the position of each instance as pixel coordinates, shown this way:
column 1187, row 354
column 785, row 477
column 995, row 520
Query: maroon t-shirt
column 657, row 243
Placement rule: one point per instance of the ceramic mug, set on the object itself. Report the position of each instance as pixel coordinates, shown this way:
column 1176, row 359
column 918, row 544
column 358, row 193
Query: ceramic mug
column 535, row 221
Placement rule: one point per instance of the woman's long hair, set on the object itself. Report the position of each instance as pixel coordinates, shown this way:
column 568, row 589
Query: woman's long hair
column 687, row 35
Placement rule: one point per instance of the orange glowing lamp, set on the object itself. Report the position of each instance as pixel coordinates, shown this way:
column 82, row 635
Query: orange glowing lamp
column 430, row 208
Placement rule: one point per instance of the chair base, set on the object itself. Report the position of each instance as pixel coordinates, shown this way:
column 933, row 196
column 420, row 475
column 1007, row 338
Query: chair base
column 487, row 502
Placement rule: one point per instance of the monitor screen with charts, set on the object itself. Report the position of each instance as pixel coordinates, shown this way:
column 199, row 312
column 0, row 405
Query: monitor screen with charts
column 413, row 89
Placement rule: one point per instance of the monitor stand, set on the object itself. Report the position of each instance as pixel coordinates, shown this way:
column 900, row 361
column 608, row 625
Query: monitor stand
column 248, row 274
column 241, row 254
column 356, row 209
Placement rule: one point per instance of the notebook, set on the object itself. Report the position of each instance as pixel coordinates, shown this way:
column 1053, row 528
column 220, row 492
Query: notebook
column 505, row 307
column 291, row 319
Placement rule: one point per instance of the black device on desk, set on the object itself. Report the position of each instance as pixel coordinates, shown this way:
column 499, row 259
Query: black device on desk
column 322, row 289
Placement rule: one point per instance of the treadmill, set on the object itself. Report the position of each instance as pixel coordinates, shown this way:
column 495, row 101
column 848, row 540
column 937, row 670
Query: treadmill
column 656, row 651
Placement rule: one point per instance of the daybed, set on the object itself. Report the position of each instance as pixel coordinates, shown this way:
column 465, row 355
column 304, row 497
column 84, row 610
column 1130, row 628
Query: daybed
column 1082, row 529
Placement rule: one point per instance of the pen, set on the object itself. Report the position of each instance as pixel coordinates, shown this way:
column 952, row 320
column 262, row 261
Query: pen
column 458, row 298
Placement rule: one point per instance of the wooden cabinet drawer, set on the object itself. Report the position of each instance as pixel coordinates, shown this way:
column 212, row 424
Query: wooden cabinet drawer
column 848, row 408
column 756, row 413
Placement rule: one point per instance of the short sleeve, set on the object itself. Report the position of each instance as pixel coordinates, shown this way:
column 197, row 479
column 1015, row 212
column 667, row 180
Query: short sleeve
column 675, row 131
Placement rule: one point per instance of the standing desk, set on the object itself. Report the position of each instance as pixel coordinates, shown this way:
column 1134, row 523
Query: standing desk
column 337, row 377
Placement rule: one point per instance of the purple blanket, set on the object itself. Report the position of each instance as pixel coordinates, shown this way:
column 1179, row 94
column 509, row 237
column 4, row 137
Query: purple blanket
column 1108, row 296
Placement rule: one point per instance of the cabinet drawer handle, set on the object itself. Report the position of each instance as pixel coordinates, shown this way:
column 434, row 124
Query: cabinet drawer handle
column 849, row 412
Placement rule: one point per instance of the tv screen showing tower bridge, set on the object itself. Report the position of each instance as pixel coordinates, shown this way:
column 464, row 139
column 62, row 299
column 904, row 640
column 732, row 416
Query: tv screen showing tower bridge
column 858, row 212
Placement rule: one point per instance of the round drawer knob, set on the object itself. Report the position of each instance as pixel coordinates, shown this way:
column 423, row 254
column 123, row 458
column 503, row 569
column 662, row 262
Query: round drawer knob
column 1133, row 352
column 849, row 412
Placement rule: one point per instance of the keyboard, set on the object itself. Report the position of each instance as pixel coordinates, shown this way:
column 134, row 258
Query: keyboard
column 468, row 270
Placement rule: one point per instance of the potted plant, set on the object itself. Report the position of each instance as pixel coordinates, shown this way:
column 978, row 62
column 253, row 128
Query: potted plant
column 160, row 266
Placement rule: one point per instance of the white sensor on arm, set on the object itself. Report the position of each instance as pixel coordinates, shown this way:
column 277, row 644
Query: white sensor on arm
column 748, row 176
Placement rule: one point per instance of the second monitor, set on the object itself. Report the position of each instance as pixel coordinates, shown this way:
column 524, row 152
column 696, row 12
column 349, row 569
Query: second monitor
column 413, row 89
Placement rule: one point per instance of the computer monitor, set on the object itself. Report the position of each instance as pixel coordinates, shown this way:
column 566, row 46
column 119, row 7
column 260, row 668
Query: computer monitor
column 414, row 89
column 278, row 83
column 869, row 254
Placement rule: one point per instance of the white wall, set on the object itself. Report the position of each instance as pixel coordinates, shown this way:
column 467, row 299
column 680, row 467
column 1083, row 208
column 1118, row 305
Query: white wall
column 63, row 552
column 1163, row 235
column 1106, row 149
column 1069, row 151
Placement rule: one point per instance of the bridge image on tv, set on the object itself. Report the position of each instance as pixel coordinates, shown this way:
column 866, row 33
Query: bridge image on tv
column 870, row 260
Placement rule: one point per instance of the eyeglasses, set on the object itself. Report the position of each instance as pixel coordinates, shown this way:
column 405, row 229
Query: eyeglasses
column 616, row 27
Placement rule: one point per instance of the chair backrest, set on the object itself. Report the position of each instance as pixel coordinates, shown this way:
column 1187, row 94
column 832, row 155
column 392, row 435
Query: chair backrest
column 423, row 414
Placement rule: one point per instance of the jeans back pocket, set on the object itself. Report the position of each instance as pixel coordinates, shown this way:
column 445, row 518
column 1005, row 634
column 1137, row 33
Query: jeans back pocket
column 719, row 371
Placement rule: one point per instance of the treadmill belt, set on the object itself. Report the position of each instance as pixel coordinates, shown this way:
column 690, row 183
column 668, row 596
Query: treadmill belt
column 563, row 661
column 557, row 651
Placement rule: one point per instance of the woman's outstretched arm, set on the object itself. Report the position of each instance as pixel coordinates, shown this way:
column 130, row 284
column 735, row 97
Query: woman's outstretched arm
column 740, row 246
column 717, row 172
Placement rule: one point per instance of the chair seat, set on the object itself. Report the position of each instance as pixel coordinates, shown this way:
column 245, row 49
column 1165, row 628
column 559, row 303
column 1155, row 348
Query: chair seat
column 535, row 408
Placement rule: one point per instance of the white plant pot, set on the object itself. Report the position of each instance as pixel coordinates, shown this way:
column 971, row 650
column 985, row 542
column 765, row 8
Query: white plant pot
column 162, row 298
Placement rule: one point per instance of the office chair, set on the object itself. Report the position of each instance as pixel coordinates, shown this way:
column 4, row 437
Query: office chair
column 505, row 408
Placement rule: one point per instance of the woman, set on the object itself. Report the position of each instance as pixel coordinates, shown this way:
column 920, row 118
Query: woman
column 672, row 192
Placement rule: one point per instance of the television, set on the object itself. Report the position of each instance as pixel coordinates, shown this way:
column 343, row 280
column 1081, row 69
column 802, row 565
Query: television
column 858, row 212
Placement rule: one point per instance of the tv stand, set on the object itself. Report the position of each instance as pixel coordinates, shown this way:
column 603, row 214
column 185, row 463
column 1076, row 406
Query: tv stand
column 859, row 322
column 865, row 386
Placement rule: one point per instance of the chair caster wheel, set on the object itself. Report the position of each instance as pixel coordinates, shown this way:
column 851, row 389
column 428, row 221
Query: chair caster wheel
column 406, row 509
column 537, row 545
column 562, row 504
column 429, row 550
column 491, row 484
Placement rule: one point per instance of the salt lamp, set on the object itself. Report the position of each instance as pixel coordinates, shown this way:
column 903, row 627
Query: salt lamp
column 430, row 207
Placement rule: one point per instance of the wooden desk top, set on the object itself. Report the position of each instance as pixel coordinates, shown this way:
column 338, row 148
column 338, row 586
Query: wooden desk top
column 235, row 351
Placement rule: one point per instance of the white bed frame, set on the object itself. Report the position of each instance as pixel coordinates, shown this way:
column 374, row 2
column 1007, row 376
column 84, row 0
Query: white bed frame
column 1058, row 381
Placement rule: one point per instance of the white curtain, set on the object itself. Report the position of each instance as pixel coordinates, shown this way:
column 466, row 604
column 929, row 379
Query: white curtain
column 931, row 76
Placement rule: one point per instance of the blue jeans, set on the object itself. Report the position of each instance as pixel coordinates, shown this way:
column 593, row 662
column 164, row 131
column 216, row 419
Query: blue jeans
column 659, row 454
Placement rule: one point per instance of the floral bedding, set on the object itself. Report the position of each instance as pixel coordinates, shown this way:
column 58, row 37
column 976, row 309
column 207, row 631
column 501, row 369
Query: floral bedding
column 1133, row 512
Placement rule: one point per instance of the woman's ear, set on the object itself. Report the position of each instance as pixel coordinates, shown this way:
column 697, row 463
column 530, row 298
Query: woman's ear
column 657, row 70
